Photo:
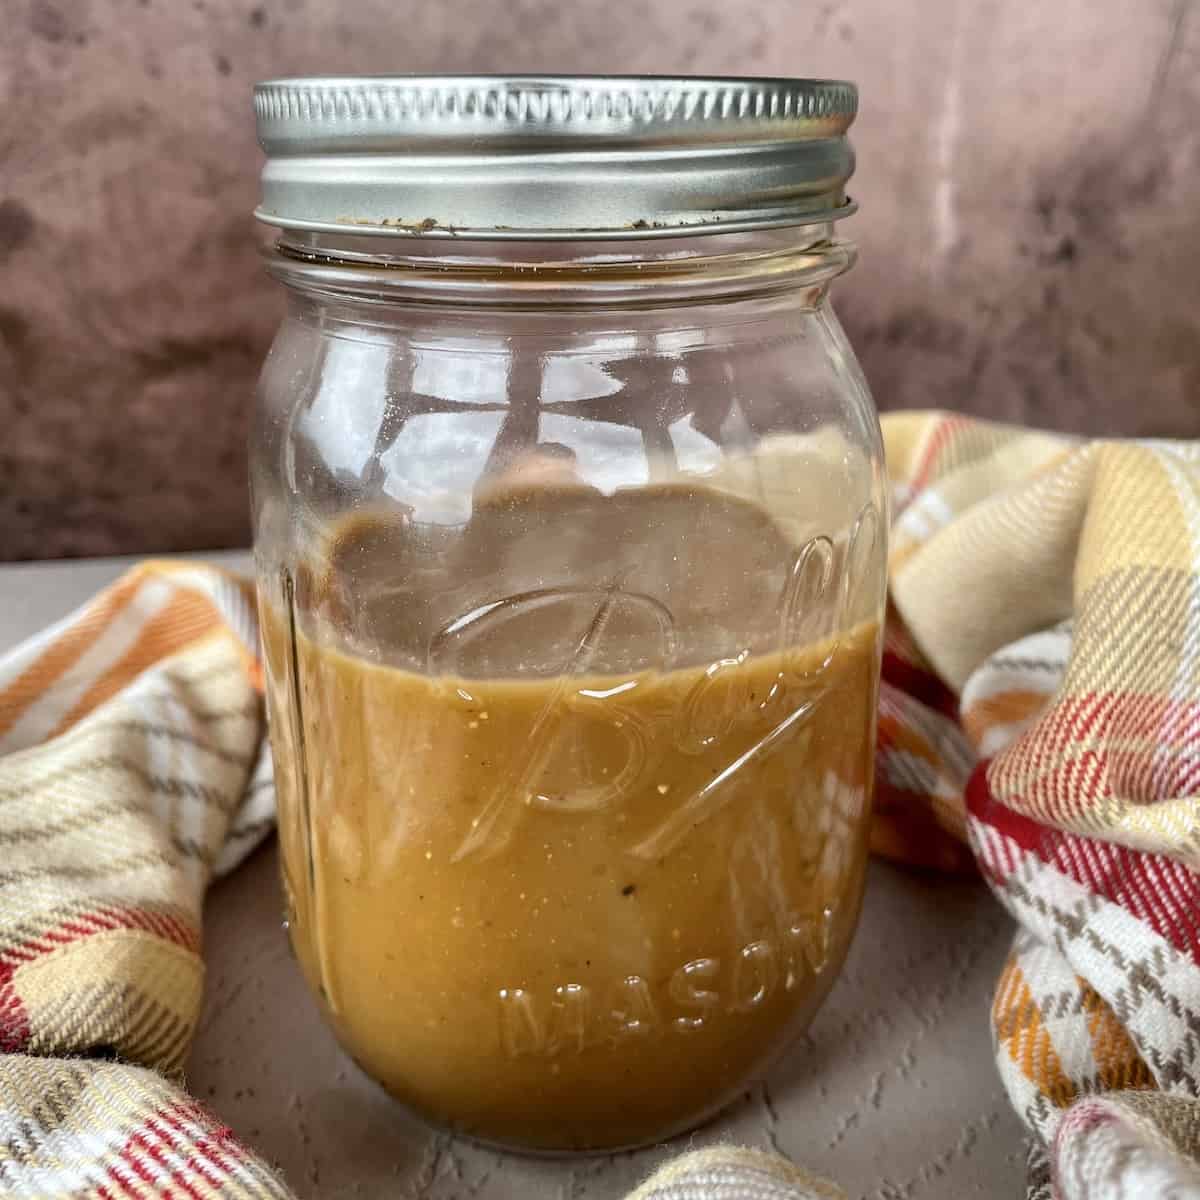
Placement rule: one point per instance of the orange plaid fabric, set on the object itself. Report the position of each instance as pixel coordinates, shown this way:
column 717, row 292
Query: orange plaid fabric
column 1046, row 597
column 131, row 770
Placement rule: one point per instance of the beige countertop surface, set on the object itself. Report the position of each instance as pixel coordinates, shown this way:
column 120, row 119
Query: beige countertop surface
column 893, row 1093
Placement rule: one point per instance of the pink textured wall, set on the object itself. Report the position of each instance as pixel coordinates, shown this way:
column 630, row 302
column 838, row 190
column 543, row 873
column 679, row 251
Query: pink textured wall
column 1030, row 228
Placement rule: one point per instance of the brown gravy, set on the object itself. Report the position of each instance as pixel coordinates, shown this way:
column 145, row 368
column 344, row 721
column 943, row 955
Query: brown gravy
column 578, row 911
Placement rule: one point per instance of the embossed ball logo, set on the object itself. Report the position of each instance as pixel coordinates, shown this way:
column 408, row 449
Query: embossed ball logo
column 816, row 607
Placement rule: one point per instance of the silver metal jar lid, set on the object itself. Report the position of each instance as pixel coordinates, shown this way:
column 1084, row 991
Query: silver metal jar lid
column 553, row 157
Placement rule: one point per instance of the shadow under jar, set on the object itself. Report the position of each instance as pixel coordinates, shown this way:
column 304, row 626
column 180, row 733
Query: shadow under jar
column 569, row 529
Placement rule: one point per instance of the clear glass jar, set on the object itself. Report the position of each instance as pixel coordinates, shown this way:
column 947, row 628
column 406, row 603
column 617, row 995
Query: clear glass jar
column 570, row 561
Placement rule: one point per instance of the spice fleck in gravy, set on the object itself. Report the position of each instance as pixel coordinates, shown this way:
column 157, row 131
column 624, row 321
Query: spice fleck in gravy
column 581, row 908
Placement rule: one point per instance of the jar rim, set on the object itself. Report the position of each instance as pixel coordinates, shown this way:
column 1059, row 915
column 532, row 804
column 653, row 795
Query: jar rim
column 563, row 276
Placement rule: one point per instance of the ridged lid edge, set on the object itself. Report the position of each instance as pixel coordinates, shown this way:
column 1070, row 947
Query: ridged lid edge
column 577, row 104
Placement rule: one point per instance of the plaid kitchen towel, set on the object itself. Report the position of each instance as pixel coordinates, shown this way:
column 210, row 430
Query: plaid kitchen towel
column 131, row 770
column 1040, row 709
column 1048, row 594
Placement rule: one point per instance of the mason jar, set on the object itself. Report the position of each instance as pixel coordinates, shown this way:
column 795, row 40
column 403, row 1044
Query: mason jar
column 569, row 521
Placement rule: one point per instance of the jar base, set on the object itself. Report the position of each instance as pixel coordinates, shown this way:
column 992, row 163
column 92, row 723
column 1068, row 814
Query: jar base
column 552, row 1139
column 689, row 1125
